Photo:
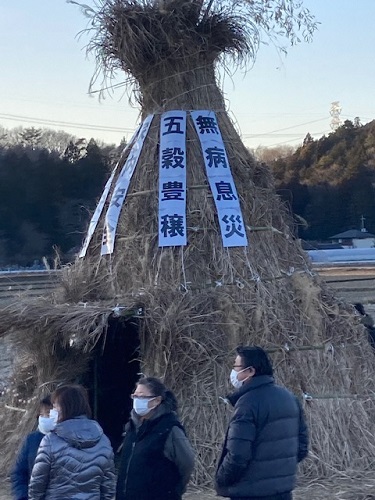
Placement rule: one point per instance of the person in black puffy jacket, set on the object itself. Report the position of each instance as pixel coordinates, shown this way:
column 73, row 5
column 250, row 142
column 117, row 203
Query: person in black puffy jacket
column 266, row 437
column 75, row 460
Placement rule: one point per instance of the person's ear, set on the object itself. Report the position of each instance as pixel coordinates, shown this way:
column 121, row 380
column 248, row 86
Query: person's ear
column 155, row 402
column 252, row 371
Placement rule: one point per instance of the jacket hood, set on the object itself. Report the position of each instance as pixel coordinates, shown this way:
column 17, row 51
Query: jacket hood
column 249, row 386
column 79, row 432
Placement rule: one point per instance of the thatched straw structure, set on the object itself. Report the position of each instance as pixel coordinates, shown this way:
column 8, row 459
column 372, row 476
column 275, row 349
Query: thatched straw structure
column 187, row 307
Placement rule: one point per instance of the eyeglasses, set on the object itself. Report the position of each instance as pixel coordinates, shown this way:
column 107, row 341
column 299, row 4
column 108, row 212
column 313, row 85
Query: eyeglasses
column 133, row 396
column 237, row 366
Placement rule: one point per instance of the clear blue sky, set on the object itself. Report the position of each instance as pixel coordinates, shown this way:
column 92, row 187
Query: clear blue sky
column 45, row 76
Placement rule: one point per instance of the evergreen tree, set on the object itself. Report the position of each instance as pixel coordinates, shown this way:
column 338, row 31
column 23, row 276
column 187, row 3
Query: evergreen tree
column 75, row 150
column 339, row 171
column 30, row 137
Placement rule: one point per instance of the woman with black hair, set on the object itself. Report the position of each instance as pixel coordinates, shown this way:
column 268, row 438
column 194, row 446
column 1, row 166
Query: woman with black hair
column 75, row 460
column 157, row 458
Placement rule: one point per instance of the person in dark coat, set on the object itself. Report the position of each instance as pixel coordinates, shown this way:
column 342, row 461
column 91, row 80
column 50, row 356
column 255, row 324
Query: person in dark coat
column 75, row 460
column 266, row 437
column 157, row 458
column 21, row 471
column 367, row 321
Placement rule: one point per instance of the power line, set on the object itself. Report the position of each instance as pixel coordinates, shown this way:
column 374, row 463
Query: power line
column 282, row 129
column 87, row 126
column 94, row 105
column 286, row 142
column 362, row 118
column 57, row 123
column 297, row 134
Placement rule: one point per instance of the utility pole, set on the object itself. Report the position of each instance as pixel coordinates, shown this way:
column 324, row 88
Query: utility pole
column 335, row 113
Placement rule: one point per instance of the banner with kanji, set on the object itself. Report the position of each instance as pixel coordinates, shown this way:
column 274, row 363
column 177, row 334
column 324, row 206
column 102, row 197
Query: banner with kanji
column 98, row 211
column 220, row 178
column 172, row 179
column 121, row 189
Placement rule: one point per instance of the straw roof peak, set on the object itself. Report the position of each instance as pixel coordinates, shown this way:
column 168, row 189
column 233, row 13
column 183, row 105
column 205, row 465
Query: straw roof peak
column 135, row 36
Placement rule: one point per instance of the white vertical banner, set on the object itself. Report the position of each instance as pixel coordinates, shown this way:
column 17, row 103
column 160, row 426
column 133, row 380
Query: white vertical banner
column 121, row 189
column 99, row 208
column 172, row 179
column 220, row 178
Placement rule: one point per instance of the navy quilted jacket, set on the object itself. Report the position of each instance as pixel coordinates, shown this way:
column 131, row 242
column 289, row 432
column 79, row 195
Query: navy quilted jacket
column 266, row 438
column 74, row 461
column 23, row 466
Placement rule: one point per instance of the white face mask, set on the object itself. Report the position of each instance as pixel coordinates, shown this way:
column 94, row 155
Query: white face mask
column 234, row 379
column 54, row 415
column 46, row 424
column 140, row 406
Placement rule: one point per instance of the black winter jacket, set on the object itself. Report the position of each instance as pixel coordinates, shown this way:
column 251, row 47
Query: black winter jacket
column 266, row 438
column 145, row 472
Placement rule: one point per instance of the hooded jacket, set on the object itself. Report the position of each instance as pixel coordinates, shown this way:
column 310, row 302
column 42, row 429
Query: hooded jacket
column 75, row 462
column 266, row 438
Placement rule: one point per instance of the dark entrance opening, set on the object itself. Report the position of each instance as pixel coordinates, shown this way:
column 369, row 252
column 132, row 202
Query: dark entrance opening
column 112, row 375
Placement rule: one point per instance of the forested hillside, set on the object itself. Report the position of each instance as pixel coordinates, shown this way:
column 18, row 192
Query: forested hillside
column 49, row 184
column 329, row 182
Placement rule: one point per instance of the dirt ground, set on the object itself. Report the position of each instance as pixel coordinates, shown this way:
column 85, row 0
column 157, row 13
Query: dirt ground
column 337, row 490
column 314, row 492
column 192, row 495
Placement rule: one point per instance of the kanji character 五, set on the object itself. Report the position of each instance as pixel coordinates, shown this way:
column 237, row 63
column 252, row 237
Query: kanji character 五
column 173, row 124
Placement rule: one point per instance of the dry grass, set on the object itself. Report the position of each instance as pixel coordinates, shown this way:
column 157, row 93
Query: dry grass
column 187, row 338
column 202, row 300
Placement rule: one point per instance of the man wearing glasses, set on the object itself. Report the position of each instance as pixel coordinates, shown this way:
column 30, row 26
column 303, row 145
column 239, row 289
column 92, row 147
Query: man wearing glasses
column 266, row 437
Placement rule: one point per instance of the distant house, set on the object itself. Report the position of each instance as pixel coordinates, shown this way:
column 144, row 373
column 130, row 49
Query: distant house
column 354, row 238
column 320, row 245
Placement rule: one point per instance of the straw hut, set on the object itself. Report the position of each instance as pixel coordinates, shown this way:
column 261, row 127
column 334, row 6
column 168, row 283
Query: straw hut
column 189, row 254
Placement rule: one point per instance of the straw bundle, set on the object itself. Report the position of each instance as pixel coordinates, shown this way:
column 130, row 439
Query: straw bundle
column 202, row 300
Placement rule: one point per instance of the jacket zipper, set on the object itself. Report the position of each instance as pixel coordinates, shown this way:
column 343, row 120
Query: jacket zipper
column 127, row 469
